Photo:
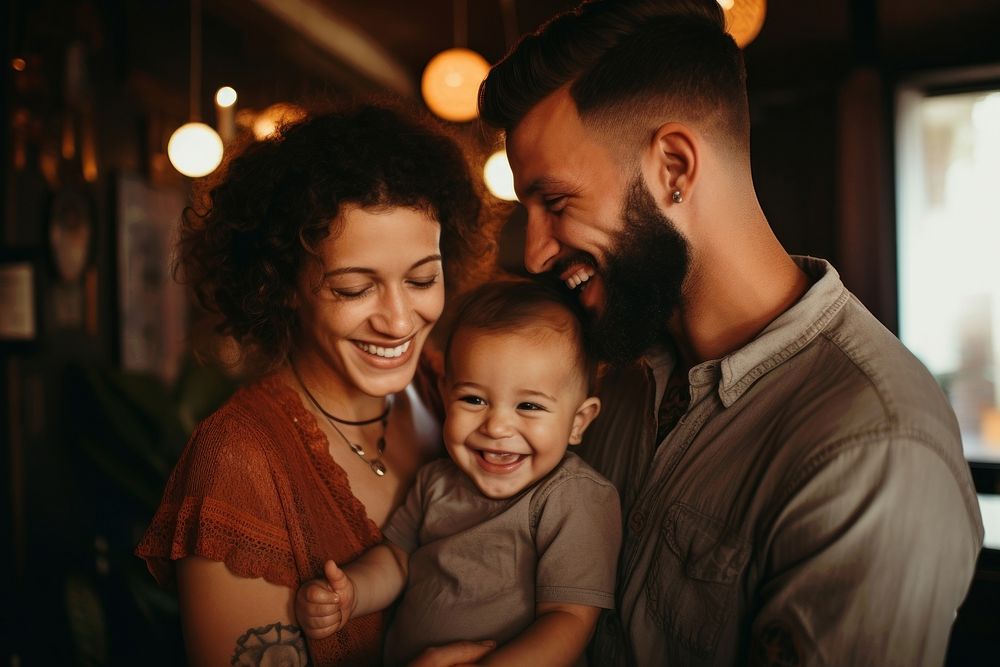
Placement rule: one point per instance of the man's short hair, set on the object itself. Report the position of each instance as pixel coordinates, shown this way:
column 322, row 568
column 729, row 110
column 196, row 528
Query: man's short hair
column 647, row 61
column 516, row 305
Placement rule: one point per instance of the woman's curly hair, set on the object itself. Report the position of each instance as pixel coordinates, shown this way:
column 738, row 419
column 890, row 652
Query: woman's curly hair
column 244, row 249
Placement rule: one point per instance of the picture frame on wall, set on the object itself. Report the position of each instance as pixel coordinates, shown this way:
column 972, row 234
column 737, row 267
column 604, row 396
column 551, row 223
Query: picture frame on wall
column 20, row 304
column 152, row 306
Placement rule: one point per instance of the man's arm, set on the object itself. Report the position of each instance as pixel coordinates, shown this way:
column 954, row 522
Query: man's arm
column 869, row 559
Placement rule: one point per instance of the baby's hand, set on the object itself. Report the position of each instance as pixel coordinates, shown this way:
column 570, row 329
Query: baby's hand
column 323, row 606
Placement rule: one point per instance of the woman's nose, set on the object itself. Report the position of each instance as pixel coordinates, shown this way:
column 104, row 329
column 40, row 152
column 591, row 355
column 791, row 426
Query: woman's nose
column 540, row 247
column 394, row 317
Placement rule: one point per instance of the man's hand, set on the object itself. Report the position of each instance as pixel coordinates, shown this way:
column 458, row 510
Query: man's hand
column 323, row 607
column 457, row 654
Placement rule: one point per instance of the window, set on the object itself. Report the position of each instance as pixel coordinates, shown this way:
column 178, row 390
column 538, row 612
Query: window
column 948, row 244
column 948, row 257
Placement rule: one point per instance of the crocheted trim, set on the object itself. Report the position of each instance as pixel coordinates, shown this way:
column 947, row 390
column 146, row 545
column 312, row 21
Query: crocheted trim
column 334, row 477
column 214, row 530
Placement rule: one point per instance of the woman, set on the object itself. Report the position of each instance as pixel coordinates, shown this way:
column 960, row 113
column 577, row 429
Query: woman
column 321, row 250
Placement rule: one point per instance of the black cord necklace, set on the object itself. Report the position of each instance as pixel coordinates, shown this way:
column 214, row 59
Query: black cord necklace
column 346, row 422
column 376, row 464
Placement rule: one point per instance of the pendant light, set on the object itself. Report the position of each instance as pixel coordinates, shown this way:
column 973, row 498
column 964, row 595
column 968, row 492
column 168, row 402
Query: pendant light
column 195, row 149
column 450, row 83
column 498, row 176
column 744, row 19
column 497, row 173
column 270, row 120
column 225, row 113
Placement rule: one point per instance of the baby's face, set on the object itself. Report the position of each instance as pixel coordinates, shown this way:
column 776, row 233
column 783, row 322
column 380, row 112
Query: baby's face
column 514, row 402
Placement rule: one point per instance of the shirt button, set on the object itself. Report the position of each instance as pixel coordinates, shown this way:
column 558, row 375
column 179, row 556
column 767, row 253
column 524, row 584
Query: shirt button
column 637, row 521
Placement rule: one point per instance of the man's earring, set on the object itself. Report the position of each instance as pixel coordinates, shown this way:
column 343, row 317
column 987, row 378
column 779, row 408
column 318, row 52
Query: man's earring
column 676, row 196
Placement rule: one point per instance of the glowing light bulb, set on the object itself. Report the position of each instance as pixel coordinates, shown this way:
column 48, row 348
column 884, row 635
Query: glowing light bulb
column 450, row 84
column 225, row 96
column 195, row 149
column 267, row 122
column 744, row 19
column 498, row 176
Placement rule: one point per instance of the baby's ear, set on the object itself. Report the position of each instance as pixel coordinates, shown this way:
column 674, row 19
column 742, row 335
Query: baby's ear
column 585, row 414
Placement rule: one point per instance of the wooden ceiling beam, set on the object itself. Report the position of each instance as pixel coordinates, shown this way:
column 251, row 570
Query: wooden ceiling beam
column 342, row 40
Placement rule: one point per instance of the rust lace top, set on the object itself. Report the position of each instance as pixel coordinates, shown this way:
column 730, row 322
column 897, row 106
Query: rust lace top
column 256, row 489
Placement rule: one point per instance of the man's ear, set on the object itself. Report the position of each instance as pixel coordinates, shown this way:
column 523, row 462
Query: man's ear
column 672, row 164
column 581, row 420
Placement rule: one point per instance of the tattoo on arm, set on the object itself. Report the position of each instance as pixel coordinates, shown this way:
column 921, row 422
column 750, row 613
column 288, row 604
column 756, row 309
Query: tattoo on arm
column 271, row 646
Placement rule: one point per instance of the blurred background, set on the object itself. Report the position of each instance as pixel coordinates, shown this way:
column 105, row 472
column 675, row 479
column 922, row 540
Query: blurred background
column 875, row 144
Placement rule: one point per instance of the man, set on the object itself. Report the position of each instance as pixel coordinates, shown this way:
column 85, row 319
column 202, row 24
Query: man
column 792, row 479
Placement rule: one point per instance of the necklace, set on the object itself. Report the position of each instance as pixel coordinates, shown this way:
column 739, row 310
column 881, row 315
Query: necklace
column 376, row 464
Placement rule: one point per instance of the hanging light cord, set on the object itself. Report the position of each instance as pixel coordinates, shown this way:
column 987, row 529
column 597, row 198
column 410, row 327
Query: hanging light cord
column 509, row 10
column 195, row 60
column 460, row 15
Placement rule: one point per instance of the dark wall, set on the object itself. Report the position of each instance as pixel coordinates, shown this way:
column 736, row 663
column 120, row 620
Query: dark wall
column 85, row 446
column 821, row 80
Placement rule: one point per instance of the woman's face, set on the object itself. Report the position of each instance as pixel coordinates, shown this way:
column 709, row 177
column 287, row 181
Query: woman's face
column 380, row 291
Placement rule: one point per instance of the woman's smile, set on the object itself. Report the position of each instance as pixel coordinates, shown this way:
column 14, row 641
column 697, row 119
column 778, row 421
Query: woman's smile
column 367, row 310
column 384, row 351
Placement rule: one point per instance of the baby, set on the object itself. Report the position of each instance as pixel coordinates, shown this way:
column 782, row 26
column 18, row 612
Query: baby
column 512, row 539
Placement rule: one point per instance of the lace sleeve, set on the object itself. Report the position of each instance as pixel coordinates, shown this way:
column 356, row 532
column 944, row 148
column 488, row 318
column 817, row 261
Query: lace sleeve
column 222, row 503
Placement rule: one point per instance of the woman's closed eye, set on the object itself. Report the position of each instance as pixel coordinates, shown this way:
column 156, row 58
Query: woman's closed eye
column 424, row 282
column 359, row 291
column 351, row 292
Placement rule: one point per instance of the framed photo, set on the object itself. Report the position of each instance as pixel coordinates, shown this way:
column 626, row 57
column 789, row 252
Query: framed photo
column 152, row 306
column 19, row 299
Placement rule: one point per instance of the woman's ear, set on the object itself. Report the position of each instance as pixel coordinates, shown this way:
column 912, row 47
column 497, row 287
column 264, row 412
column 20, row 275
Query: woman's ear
column 581, row 420
column 672, row 163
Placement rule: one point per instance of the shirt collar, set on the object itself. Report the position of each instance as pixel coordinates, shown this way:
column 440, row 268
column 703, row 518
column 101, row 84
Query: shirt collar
column 787, row 334
column 779, row 341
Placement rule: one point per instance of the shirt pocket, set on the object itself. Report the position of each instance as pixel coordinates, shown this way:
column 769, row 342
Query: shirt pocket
column 691, row 586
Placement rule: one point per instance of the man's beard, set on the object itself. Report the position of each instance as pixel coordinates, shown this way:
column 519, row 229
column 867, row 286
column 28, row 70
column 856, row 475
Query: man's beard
column 643, row 277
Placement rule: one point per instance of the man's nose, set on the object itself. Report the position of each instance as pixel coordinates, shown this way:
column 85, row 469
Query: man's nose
column 540, row 246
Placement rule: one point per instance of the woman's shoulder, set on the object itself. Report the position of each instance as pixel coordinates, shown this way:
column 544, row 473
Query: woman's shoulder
column 249, row 420
column 259, row 398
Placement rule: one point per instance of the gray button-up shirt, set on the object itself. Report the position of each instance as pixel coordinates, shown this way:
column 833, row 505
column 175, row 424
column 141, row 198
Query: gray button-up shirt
column 812, row 507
